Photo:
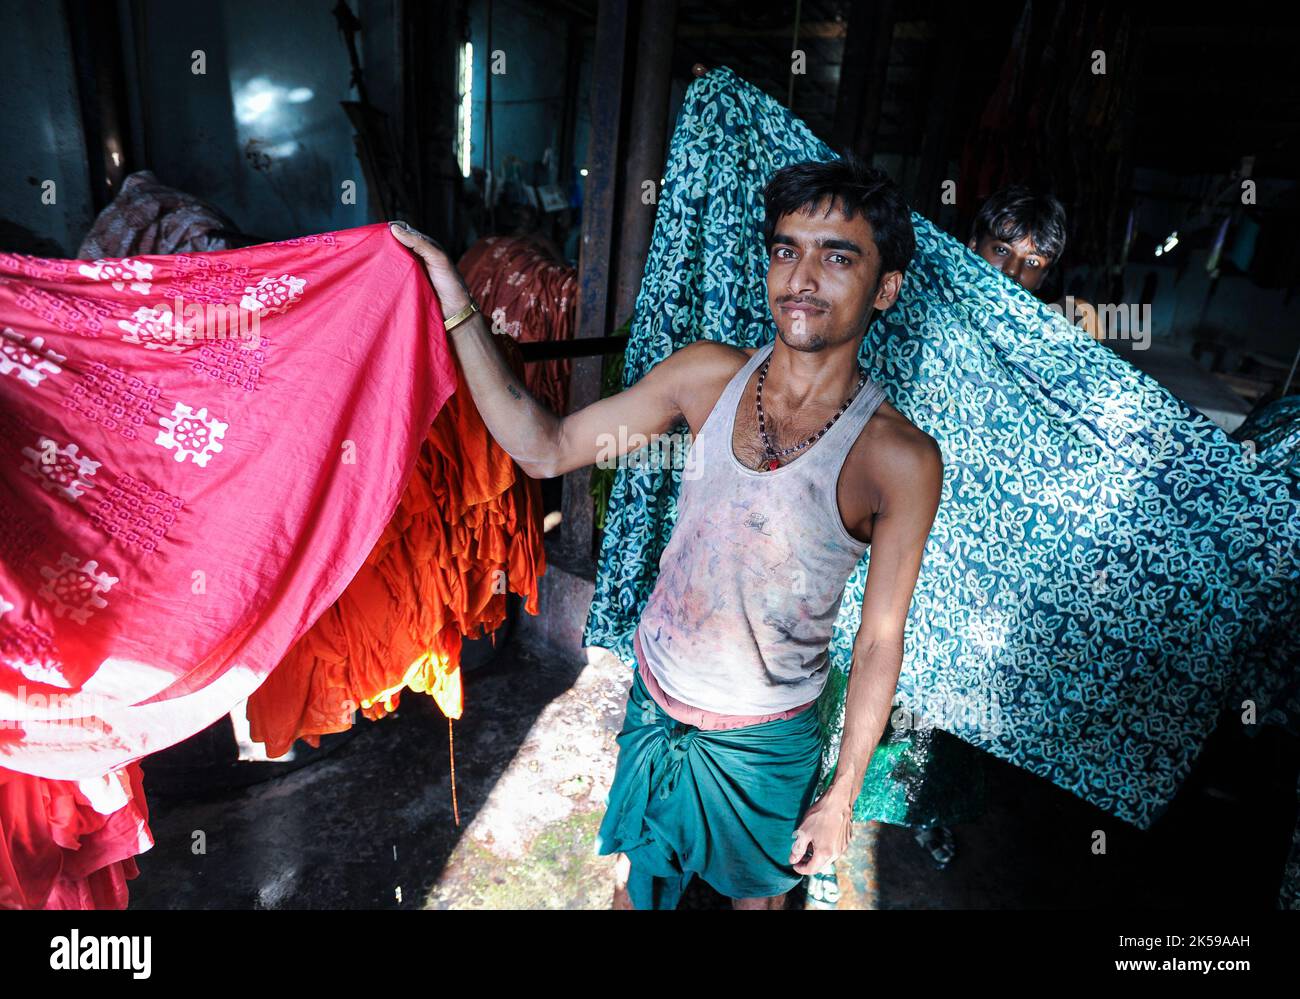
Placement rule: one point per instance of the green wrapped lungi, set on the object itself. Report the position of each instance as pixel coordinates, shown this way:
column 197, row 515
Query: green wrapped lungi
column 720, row 804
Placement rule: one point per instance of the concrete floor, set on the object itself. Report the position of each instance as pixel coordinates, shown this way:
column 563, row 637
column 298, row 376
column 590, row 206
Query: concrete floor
column 371, row 825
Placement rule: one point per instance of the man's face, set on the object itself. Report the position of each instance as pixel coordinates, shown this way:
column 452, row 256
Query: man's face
column 1020, row 260
column 823, row 278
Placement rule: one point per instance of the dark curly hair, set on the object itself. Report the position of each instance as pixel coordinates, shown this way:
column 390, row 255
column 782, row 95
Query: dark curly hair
column 859, row 188
column 1016, row 212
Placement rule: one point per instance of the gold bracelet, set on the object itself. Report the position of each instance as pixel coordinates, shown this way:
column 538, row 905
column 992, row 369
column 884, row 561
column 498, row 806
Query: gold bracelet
column 461, row 316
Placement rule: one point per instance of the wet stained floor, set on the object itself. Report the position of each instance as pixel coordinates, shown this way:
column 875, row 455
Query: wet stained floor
column 370, row 822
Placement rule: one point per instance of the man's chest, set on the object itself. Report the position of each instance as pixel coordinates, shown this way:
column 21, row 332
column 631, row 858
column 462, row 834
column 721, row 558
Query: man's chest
column 854, row 490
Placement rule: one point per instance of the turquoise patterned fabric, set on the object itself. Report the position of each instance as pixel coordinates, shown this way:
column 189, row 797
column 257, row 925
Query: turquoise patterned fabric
column 1274, row 432
column 1102, row 555
column 1267, row 684
column 1270, row 679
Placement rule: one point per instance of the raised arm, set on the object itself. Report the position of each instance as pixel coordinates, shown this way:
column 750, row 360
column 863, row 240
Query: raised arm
column 543, row 444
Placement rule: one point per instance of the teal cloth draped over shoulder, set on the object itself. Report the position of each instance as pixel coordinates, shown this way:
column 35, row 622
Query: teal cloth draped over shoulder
column 1104, row 560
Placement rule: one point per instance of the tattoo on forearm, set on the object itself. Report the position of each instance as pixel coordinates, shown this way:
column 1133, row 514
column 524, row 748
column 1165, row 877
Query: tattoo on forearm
column 514, row 391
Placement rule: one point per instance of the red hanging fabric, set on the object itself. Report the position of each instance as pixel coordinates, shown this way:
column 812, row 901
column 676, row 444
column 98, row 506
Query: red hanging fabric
column 199, row 453
column 528, row 295
column 69, row 844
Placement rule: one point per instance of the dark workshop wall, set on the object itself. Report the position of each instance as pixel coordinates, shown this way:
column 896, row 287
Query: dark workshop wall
column 261, row 134
column 528, row 98
column 43, row 136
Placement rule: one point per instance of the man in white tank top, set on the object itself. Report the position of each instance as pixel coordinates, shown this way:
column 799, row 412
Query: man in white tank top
column 796, row 465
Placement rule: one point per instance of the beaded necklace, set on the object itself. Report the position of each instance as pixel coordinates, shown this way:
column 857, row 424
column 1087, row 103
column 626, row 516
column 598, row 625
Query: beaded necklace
column 771, row 456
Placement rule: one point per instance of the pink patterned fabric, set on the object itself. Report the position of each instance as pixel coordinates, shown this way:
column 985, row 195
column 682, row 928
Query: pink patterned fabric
column 178, row 504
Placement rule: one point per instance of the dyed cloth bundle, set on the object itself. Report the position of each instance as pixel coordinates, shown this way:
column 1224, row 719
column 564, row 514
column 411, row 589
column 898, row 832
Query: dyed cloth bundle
column 201, row 452
column 528, row 295
column 1102, row 555
column 1289, row 894
column 71, row 844
column 468, row 527
column 147, row 216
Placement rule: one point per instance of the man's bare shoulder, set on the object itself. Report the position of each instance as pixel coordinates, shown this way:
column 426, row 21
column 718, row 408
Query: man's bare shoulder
column 699, row 372
column 702, row 364
column 897, row 431
column 892, row 450
column 899, row 439
column 712, row 354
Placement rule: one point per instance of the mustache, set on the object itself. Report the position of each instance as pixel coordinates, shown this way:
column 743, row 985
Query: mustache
column 811, row 302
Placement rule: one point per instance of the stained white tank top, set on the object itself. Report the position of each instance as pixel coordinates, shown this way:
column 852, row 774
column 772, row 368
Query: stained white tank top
column 751, row 580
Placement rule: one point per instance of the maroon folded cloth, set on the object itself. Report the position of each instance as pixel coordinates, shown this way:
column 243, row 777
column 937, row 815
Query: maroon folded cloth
column 147, row 216
column 528, row 294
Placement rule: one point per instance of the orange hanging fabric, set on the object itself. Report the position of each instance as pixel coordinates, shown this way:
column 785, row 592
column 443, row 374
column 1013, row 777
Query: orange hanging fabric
column 467, row 528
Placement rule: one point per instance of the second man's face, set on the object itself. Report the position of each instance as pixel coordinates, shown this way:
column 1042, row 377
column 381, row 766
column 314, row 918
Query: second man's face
column 1019, row 260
